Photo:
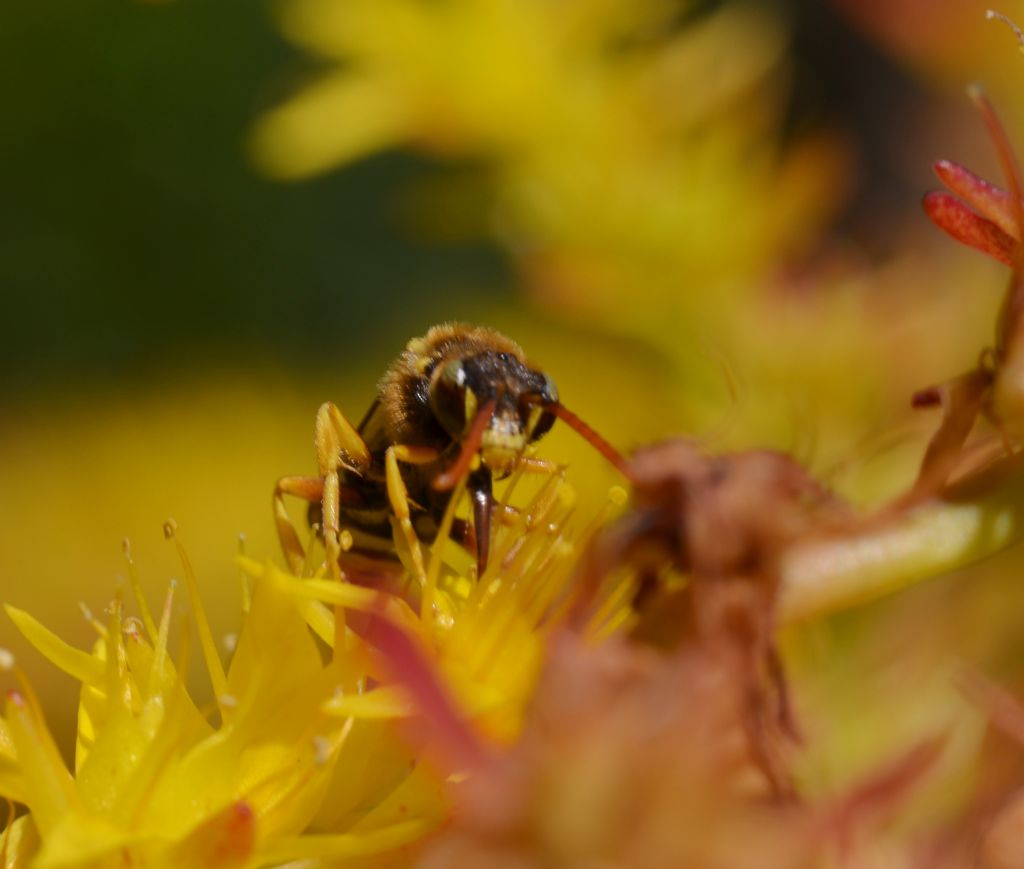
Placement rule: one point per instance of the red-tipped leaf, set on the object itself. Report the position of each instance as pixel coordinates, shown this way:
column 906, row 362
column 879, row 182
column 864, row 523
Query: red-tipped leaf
column 951, row 215
column 987, row 199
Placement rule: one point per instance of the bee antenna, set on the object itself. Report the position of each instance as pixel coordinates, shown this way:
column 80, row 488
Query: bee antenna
column 448, row 480
column 591, row 437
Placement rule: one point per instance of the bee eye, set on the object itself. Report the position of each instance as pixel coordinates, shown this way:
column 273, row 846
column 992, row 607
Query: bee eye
column 541, row 419
column 550, row 393
column 451, row 401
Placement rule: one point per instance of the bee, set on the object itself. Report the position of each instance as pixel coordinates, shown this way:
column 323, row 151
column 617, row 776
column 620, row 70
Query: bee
column 460, row 403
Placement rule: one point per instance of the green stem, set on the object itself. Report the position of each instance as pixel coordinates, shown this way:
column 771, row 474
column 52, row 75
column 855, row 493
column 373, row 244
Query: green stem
column 973, row 520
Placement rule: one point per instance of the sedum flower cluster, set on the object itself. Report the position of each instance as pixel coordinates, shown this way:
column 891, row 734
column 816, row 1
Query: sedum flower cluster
column 303, row 754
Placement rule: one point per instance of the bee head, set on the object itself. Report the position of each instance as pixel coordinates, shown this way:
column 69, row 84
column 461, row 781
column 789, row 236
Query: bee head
column 520, row 398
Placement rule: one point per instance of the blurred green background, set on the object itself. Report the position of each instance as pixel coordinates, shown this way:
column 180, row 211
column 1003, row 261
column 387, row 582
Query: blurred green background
column 138, row 241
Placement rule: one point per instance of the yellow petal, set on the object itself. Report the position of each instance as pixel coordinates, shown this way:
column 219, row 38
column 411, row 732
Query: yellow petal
column 225, row 840
column 12, row 786
column 372, row 762
column 211, row 656
column 345, row 845
column 49, row 789
column 82, row 841
column 388, row 701
column 120, row 744
column 336, row 120
column 420, row 795
column 76, row 663
column 20, row 844
column 6, row 741
column 155, row 795
column 344, row 594
column 277, row 683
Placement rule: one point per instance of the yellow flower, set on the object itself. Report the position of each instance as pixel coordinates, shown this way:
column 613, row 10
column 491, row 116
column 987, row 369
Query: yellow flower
column 486, row 638
column 631, row 156
column 158, row 783
column 306, row 753
column 299, row 759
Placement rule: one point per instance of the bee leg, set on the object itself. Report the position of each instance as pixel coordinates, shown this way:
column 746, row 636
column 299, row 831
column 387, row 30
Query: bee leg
column 482, row 496
column 462, row 533
column 398, row 495
column 307, row 488
column 462, row 529
column 338, row 445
